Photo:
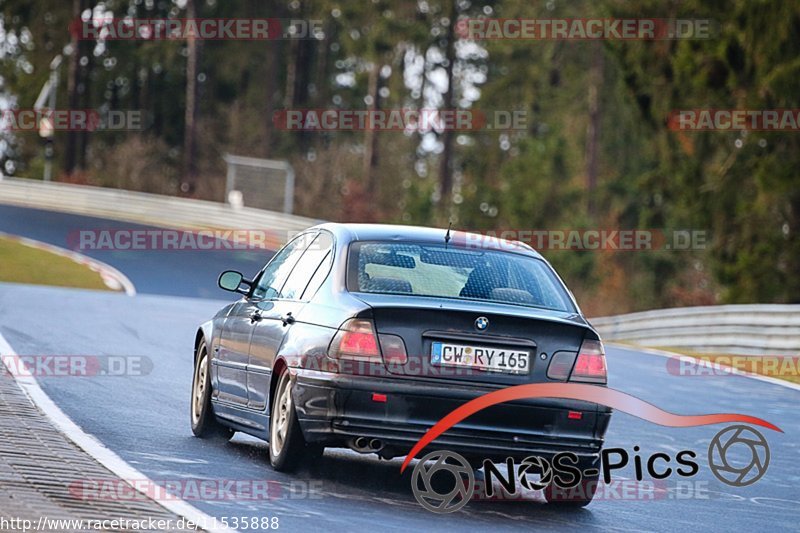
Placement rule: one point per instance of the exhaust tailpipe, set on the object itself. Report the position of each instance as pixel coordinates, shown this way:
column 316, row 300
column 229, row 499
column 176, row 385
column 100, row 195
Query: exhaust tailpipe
column 366, row 445
column 360, row 445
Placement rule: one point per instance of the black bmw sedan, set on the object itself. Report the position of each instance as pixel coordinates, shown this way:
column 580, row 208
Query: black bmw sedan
column 364, row 336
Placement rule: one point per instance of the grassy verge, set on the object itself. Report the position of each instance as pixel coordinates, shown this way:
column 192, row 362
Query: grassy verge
column 23, row 264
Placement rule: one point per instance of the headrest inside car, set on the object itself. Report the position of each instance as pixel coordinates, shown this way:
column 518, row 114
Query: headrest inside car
column 376, row 284
column 511, row 295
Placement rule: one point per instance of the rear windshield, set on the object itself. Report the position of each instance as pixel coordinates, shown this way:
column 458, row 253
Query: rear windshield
column 448, row 272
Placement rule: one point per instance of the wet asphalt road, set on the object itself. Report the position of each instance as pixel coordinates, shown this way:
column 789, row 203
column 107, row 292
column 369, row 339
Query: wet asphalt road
column 175, row 273
column 145, row 418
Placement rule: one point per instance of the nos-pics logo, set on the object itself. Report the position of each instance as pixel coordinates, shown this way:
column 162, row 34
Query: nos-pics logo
column 444, row 481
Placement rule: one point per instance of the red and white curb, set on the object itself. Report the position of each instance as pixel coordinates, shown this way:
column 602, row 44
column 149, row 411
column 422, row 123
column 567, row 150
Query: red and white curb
column 113, row 278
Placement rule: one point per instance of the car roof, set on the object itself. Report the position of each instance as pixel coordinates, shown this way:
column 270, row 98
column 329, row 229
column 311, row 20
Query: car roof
column 394, row 232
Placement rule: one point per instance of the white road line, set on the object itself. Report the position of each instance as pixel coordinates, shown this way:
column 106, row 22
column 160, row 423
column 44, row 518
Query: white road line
column 708, row 364
column 112, row 277
column 99, row 451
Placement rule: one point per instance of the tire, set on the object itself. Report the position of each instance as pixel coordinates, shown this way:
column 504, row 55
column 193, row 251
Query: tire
column 204, row 423
column 574, row 498
column 475, row 462
column 287, row 446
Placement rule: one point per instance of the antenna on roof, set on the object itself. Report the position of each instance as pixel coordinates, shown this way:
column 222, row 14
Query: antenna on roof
column 447, row 235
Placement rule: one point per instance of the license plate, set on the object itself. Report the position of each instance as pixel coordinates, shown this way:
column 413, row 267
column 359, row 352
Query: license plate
column 480, row 357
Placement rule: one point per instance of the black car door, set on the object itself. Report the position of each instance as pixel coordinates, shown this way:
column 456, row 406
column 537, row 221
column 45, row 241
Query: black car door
column 278, row 315
column 230, row 358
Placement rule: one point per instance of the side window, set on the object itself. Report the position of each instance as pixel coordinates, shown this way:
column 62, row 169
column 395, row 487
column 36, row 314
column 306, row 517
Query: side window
column 318, row 277
column 306, row 267
column 276, row 272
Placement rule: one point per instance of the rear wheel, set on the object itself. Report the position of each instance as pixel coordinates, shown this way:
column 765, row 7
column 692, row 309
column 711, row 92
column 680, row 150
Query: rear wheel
column 204, row 423
column 287, row 447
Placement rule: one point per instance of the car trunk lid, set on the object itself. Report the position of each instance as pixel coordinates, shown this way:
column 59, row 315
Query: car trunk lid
column 444, row 338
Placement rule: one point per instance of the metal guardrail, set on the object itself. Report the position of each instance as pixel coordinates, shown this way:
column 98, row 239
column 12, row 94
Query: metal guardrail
column 757, row 329
column 145, row 208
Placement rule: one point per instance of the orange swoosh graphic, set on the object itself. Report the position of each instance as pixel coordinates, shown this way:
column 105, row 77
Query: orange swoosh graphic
column 575, row 391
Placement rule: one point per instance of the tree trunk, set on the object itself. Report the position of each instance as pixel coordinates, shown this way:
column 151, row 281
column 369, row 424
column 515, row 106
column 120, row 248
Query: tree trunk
column 73, row 83
column 446, row 158
column 189, row 185
column 370, row 135
column 593, row 128
column 321, row 75
column 423, row 85
column 291, row 74
column 271, row 86
column 86, row 103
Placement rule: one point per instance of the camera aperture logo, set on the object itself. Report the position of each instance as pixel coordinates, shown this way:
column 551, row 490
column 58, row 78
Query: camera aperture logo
column 729, row 447
column 440, row 462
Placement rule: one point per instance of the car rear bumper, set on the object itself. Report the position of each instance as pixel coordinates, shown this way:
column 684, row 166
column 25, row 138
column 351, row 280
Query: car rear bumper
column 336, row 408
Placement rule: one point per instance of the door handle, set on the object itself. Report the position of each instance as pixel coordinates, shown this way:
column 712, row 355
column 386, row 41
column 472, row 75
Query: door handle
column 287, row 319
column 255, row 317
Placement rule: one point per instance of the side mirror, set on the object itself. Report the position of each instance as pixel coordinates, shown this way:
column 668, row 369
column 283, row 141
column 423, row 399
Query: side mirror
column 230, row 281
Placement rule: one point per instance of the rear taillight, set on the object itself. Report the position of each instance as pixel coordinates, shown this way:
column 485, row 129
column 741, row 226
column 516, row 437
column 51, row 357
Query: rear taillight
column 590, row 365
column 355, row 340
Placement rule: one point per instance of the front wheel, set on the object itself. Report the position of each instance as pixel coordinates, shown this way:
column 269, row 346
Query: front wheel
column 204, row 423
column 287, row 447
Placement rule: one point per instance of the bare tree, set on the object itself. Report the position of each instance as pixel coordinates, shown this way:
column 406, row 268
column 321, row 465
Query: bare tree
column 446, row 158
column 370, row 136
column 73, row 88
column 593, row 128
column 189, row 184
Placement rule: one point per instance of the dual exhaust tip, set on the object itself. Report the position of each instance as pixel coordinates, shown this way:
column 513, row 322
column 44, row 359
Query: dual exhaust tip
column 366, row 445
